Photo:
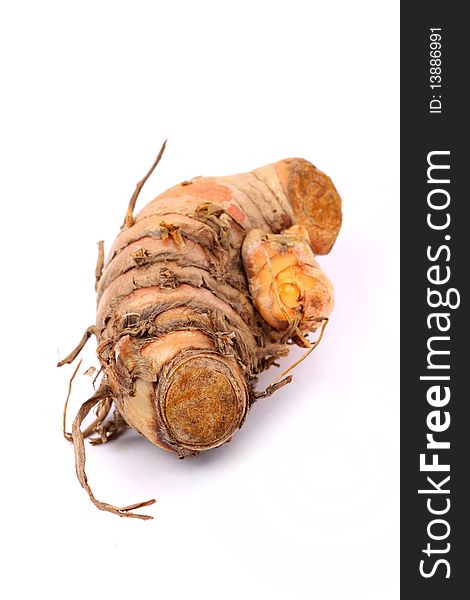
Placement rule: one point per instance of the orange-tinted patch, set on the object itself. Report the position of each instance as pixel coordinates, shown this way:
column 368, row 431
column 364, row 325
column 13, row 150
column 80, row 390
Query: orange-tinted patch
column 201, row 188
column 236, row 213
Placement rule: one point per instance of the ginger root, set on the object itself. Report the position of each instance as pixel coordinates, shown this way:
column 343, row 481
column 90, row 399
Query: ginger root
column 200, row 292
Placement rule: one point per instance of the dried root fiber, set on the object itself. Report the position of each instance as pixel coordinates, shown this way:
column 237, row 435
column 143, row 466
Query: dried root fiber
column 201, row 291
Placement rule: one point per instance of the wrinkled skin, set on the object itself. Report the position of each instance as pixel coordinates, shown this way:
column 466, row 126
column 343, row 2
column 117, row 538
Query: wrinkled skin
column 200, row 292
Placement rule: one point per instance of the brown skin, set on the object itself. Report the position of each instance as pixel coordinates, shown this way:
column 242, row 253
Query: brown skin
column 201, row 291
column 314, row 199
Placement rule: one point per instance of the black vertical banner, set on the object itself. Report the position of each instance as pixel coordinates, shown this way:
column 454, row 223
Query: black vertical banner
column 435, row 268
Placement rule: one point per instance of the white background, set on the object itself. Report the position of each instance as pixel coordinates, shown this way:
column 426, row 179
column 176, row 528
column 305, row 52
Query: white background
column 303, row 503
